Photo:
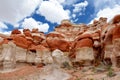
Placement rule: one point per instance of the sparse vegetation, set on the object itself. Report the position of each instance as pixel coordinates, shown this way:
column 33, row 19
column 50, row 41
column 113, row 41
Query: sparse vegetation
column 110, row 72
column 78, row 79
column 66, row 65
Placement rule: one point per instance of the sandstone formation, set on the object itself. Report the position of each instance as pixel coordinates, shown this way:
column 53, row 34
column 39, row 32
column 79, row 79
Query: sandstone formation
column 85, row 44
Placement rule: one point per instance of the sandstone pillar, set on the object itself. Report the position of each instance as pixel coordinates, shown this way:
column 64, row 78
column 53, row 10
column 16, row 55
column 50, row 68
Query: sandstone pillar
column 9, row 60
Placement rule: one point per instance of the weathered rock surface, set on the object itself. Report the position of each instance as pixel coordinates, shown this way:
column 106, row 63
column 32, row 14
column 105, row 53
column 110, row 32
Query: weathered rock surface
column 95, row 43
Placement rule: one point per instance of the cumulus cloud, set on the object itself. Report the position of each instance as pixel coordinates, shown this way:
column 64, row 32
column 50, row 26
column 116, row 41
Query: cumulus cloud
column 106, row 8
column 101, row 4
column 30, row 23
column 12, row 11
column 3, row 26
column 80, row 6
column 109, row 12
column 53, row 11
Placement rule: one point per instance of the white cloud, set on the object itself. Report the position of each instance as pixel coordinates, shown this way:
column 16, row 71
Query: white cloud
column 30, row 23
column 108, row 12
column 101, row 4
column 44, row 27
column 16, row 25
column 53, row 11
column 12, row 11
column 80, row 6
column 69, row 2
column 106, row 8
column 73, row 15
column 61, row 1
column 3, row 26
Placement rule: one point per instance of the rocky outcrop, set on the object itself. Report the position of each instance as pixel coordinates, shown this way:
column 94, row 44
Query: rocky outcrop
column 83, row 48
column 8, row 55
column 21, row 54
column 69, row 42
column 16, row 31
column 58, row 44
column 60, row 58
column 111, row 41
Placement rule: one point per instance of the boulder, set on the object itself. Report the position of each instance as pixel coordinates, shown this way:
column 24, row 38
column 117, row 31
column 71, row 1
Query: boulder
column 116, row 19
column 58, row 44
column 16, row 31
column 27, row 33
column 21, row 41
column 84, row 43
column 37, row 38
column 59, row 57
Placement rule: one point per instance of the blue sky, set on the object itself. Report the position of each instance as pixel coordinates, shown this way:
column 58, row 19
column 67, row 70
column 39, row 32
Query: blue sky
column 46, row 14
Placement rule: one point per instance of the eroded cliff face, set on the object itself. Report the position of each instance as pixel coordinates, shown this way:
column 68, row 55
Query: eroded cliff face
column 85, row 44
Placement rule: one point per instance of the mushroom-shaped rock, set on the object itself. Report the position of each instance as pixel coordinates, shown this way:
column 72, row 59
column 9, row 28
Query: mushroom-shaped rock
column 22, row 42
column 37, row 38
column 58, row 44
column 116, row 19
column 16, row 31
column 83, row 47
column 27, row 33
column 86, row 42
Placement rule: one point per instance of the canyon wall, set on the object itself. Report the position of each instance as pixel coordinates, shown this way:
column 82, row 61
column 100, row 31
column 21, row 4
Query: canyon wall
column 69, row 42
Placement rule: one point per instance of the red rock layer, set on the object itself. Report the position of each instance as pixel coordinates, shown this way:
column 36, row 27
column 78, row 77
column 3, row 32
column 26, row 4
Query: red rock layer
column 58, row 44
column 86, row 42
column 116, row 32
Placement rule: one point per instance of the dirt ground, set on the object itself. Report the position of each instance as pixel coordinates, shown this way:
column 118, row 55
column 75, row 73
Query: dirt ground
column 50, row 72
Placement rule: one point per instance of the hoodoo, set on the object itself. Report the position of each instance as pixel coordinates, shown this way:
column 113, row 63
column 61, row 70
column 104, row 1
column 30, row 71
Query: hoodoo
column 67, row 46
